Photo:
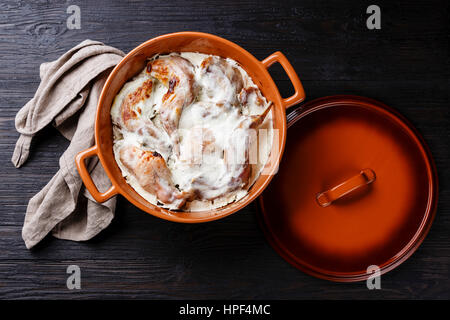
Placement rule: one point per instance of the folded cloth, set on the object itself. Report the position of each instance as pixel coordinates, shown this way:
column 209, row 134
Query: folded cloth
column 67, row 97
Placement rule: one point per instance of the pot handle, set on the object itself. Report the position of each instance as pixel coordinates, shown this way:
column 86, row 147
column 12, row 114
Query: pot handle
column 299, row 94
column 87, row 179
column 365, row 177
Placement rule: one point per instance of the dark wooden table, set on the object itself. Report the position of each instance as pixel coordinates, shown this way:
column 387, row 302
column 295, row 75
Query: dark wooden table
column 405, row 65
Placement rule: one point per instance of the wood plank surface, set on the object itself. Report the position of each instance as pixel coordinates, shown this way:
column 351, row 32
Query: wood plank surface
column 405, row 65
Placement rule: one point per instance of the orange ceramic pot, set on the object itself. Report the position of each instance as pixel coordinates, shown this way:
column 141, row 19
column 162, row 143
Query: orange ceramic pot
column 134, row 62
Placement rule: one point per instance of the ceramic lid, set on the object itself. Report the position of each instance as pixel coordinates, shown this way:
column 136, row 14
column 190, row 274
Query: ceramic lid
column 356, row 187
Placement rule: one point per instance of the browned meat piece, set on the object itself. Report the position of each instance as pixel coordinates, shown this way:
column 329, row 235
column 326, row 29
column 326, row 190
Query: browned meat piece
column 152, row 174
column 177, row 74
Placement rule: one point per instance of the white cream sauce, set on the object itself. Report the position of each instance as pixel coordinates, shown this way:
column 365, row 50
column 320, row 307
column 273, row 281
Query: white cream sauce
column 203, row 120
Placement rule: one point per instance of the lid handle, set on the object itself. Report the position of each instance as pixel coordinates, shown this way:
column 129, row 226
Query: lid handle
column 365, row 177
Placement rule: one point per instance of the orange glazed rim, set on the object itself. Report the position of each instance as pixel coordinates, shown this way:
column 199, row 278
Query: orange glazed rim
column 253, row 67
column 429, row 214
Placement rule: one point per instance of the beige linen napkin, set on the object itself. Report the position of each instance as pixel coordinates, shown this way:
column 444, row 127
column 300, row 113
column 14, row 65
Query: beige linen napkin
column 67, row 97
